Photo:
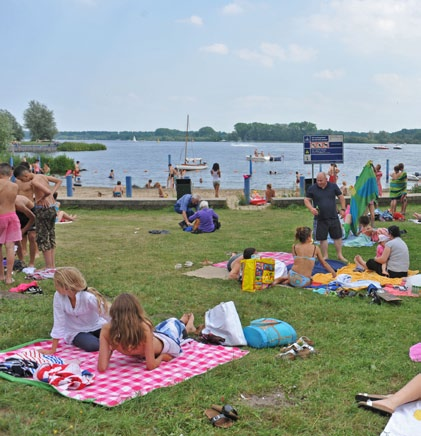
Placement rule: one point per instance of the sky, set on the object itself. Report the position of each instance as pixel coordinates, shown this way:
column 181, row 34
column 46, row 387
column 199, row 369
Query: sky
column 139, row 65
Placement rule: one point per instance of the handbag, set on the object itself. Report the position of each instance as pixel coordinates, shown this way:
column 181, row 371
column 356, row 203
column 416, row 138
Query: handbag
column 258, row 274
column 223, row 321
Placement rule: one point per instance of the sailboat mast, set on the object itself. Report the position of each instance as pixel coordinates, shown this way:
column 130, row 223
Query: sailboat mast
column 187, row 139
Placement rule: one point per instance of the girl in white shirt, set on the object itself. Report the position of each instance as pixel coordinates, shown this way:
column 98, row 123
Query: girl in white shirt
column 216, row 178
column 79, row 311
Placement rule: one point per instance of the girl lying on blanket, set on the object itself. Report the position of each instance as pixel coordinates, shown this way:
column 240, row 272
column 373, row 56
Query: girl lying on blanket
column 79, row 311
column 305, row 254
column 131, row 333
column 365, row 230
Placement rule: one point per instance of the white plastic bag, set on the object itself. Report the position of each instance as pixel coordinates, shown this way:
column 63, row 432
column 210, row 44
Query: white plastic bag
column 223, row 320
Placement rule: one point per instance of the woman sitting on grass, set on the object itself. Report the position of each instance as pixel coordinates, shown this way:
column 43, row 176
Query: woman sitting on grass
column 305, row 255
column 132, row 333
column 79, row 311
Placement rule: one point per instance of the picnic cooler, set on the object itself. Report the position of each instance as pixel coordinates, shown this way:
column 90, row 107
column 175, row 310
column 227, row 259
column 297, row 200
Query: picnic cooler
column 269, row 332
column 258, row 274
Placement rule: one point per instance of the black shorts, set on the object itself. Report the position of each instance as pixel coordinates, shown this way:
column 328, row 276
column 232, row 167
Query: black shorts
column 372, row 265
column 323, row 228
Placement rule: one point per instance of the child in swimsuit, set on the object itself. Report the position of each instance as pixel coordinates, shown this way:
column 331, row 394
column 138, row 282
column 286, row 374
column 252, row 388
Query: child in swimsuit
column 305, row 256
column 132, row 333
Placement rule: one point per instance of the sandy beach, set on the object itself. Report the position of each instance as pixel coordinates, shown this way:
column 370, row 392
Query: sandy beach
column 232, row 195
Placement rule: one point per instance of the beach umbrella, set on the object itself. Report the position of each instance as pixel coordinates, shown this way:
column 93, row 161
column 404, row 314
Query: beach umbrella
column 364, row 191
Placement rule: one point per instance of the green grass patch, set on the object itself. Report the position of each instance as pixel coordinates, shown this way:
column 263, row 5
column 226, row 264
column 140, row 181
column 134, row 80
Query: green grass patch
column 362, row 347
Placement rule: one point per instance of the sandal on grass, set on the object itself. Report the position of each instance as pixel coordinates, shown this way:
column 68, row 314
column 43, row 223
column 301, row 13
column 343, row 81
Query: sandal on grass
column 218, row 419
column 227, row 410
column 376, row 408
column 373, row 397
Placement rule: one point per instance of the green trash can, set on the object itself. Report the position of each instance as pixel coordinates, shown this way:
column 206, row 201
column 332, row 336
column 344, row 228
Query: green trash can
column 182, row 187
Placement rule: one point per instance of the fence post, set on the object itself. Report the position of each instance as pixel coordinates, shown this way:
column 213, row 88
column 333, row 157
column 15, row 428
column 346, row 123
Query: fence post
column 128, row 187
column 69, row 185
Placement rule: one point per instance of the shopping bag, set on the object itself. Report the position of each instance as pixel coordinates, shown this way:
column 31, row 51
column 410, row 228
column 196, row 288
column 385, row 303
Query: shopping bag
column 223, row 321
column 258, row 274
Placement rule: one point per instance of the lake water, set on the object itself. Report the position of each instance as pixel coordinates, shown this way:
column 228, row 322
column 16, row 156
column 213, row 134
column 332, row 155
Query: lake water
column 146, row 160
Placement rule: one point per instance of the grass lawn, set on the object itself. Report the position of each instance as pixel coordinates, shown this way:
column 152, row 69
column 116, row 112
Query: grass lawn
column 362, row 347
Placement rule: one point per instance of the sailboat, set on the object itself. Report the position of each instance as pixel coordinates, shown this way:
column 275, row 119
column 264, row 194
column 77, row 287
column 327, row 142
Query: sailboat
column 134, row 139
column 191, row 163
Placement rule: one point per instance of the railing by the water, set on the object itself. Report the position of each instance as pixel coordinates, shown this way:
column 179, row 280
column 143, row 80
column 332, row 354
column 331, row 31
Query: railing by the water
column 43, row 148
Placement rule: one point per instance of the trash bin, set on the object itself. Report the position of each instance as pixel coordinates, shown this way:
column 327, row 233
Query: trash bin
column 182, row 187
column 308, row 183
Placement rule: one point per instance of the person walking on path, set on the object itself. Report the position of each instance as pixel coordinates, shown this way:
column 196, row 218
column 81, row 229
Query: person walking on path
column 216, row 178
column 320, row 200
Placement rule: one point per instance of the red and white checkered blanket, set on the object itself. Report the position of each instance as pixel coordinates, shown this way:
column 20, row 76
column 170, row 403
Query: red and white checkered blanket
column 127, row 377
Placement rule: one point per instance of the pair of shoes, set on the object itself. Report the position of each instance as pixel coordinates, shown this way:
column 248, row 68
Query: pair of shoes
column 222, row 416
column 188, row 264
column 376, row 408
column 178, row 266
column 302, row 348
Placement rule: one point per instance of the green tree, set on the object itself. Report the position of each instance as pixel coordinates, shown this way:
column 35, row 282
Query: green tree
column 40, row 121
column 5, row 131
column 17, row 131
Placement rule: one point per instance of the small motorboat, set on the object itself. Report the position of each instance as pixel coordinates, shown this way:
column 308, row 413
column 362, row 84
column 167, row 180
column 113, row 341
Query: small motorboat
column 380, row 147
column 276, row 158
column 257, row 158
column 412, row 178
column 397, row 147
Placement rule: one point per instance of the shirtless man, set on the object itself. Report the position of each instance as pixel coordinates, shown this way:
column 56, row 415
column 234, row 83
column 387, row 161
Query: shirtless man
column 45, row 212
column 24, row 208
column 25, row 189
column 9, row 223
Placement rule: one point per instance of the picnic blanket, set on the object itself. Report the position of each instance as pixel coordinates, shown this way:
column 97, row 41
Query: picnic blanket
column 287, row 258
column 357, row 276
column 127, row 376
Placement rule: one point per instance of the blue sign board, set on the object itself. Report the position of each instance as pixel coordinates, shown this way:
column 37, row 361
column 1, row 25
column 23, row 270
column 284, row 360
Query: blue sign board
column 321, row 149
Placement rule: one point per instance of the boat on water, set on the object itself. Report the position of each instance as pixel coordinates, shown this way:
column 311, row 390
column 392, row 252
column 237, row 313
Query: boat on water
column 257, row 158
column 380, row 147
column 191, row 163
column 134, row 139
column 412, row 178
column 397, row 147
column 267, row 158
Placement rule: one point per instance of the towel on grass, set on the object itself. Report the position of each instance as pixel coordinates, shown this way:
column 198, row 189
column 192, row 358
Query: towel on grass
column 356, row 276
column 127, row 376
column 405, row 421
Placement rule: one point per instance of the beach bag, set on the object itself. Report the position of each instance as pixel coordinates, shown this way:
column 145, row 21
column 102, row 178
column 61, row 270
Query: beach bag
column 223, row 321
column 258, row 274
column 269, row 332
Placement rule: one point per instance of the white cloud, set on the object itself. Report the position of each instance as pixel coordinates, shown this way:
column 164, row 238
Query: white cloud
column 370, row 26
column 268, row 53
column 256, row 57
column 216, row 48
column 329, row 74
column 194, row 19
column 232, row 9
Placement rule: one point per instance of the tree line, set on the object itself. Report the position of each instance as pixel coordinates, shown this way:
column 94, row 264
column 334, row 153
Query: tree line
column 40, row 123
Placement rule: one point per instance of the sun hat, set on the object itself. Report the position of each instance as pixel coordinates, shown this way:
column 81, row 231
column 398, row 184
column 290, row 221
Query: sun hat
column 383, row 238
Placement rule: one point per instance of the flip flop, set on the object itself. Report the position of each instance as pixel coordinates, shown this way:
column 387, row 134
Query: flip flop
column 373, row 397
column 376, row 408
column 226, row 410
column 218, row 419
